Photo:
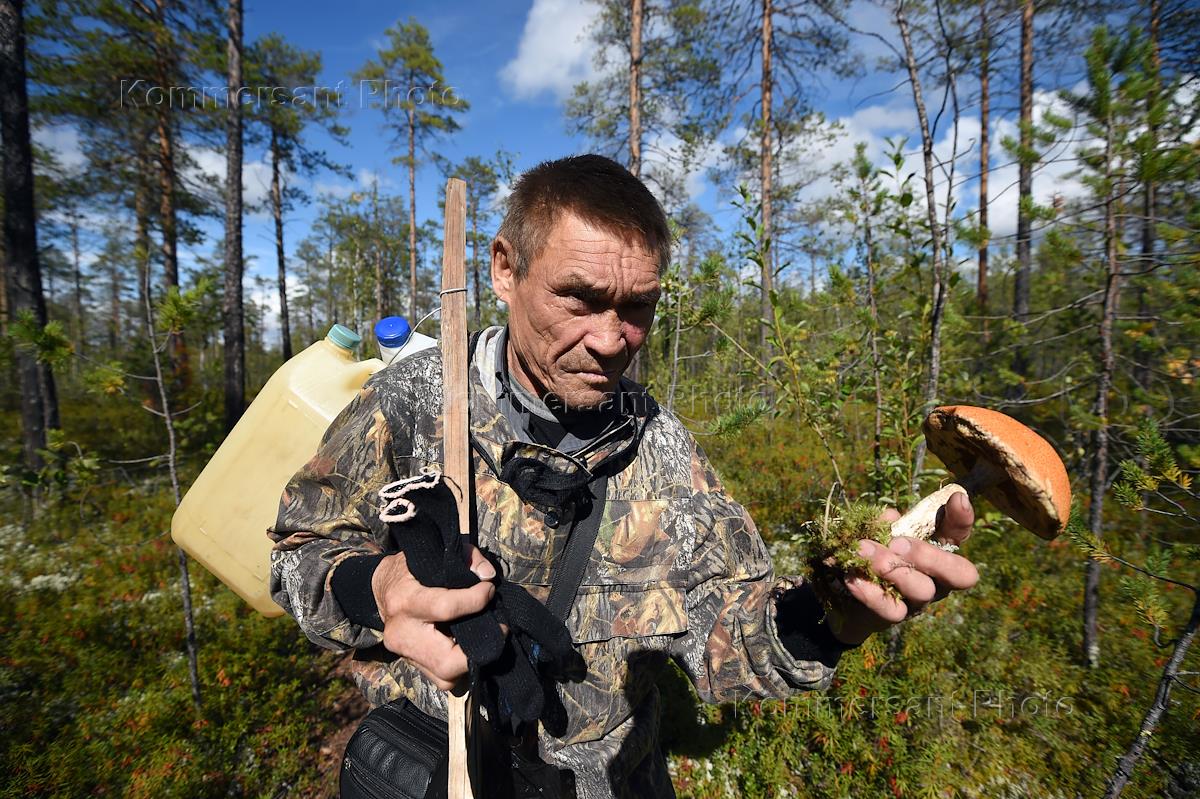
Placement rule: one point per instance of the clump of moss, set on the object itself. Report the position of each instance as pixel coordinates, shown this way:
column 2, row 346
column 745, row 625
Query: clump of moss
column 832, row 547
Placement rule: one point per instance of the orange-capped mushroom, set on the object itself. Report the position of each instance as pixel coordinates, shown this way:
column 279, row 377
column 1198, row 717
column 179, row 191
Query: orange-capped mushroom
column 995, row 457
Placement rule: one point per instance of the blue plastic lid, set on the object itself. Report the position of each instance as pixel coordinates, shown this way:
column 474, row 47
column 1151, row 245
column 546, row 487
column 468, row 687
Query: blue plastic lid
column 343, row 336
column 392, row 331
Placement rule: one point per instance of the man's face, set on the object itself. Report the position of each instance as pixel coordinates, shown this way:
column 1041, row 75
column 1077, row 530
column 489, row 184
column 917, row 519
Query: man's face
column 580, row 313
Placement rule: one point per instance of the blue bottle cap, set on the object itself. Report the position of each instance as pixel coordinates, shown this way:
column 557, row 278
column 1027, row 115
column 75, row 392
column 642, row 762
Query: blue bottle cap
column 392, row 331
column 343, row 336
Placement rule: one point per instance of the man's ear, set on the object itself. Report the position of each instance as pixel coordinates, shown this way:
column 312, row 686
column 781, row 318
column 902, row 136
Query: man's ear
column 504, row 268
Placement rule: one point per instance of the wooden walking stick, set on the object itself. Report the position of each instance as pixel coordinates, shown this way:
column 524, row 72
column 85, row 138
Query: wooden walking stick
column 456, row 455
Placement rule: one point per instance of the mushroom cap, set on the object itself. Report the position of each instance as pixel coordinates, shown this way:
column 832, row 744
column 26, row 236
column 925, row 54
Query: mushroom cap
column 1037, row 493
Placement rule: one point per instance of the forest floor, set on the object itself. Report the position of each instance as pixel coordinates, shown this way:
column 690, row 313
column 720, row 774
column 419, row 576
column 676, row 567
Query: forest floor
column 984, row 695
column 347, row 709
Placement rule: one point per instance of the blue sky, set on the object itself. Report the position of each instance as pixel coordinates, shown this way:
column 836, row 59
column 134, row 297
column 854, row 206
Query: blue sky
column 514, row 61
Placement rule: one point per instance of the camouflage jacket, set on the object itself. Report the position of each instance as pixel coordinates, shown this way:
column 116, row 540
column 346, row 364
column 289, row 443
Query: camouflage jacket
column 679, row 569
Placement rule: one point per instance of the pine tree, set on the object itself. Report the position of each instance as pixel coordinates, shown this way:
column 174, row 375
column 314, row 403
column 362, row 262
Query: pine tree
column 483, row 178
column 406, row 82
column 285, row 115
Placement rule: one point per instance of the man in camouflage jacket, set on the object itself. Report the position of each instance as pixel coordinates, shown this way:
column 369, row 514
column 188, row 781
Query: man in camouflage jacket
column 678, row 570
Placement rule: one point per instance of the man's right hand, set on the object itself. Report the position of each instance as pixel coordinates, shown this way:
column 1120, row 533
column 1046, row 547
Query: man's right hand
column 414, row 615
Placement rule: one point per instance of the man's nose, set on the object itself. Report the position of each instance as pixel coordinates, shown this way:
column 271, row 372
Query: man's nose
column 605, row 340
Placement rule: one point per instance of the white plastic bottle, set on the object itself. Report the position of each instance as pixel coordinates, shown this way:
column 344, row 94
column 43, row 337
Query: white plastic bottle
column 397, row 339
column 223, row 520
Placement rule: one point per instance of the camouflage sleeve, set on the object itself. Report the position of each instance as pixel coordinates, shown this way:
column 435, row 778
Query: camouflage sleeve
column 328, row 514
column 732, row 649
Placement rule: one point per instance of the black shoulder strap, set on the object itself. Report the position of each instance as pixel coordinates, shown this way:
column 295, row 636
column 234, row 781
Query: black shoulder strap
column 568, row 572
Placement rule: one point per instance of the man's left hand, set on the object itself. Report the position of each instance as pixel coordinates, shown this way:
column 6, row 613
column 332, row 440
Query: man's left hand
column 920, row 571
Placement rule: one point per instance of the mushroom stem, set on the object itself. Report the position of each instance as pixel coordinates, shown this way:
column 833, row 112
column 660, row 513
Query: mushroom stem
column 921, row 519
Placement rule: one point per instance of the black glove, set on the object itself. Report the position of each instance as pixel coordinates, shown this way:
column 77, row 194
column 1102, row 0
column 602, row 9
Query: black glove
column 514, row 674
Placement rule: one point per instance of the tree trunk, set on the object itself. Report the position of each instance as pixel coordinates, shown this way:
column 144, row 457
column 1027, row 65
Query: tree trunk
column 412, row 215
column 185, row 583
column 675, row 351
column 166, row 177
column 167, row 180
column 354, row 304
column 114, row 298
column 235, row 343
column 285, row 327
column 309, row 300
column 329, row 309
column 765, row 172
column 3, row 292
column 1025, row 174
column 876, row 359
column 377, row 252
column 1100, row 440
column 1141, row 363
column 935, row 233
column 78, row 328
column 475, row 258
column 981, row 292
column 635, row 88
column 24, row 284
column 166, row 151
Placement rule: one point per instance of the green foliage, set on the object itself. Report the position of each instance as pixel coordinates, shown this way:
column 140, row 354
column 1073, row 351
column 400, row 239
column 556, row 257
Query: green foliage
column 737, row 420
column 106, row 379
column 987, row 696
column 92, row 640
column 831, row 549
column 178, row 310
column 93, row 686
column 49, row 343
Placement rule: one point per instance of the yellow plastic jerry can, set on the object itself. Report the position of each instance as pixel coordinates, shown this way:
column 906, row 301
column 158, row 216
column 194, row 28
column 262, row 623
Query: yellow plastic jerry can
column 223, row 519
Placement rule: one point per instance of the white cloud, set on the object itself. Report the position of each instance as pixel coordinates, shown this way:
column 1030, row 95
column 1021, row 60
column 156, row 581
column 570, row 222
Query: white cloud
column 555, row 51
column 665, row 151
column 63, row 142
column 364, row 179
column 1051, row 177
column 256, row 176
column 874, row 124
column 503, row 189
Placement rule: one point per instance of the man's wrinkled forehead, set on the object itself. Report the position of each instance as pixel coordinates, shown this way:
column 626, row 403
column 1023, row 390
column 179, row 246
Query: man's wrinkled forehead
column 587, row 238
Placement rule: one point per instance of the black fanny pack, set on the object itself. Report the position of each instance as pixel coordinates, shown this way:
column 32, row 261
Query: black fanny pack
column 398, row 752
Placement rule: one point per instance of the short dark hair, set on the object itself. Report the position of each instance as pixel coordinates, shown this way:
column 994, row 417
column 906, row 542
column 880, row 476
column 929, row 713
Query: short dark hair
column 596, row 189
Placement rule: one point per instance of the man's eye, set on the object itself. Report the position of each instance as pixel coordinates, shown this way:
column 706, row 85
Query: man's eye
column 576, row 302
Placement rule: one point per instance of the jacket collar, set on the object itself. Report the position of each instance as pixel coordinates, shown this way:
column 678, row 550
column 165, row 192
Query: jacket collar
column 493, row 437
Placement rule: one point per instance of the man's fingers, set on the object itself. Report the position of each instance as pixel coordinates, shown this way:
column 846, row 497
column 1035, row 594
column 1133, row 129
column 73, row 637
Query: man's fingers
column 482, row 567
column 438, row 657
column 916, row 587
column 450, row 665
column 954, row 520
column 890, row 515
column 449, row 604
column 874, row 599
column 951, row 572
